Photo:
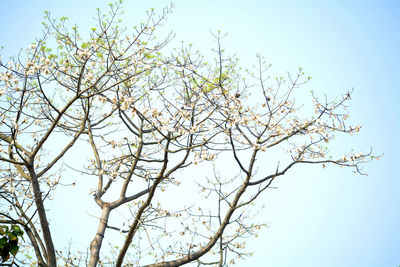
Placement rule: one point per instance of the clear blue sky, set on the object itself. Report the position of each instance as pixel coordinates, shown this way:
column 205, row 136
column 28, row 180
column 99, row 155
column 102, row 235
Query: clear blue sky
column 321, row 218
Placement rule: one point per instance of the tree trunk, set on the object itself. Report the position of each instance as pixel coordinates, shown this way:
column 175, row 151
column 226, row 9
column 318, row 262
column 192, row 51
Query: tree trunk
column 95, row 245
column 51, row 255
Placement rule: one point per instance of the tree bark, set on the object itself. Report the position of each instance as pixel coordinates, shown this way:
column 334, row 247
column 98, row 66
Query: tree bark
column 95, row 245
column 51, row 255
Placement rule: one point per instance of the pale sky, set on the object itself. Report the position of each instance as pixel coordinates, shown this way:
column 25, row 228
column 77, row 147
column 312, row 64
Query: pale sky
column 316, row 217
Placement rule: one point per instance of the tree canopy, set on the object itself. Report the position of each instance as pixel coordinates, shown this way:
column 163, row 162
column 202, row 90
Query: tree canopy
column 145, row 120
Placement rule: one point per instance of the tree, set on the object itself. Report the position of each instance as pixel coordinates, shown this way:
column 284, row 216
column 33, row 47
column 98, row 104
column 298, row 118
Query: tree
column 144, row 121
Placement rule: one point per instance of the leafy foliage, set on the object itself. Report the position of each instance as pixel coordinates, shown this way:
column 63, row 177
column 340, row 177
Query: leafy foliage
column 9, row 241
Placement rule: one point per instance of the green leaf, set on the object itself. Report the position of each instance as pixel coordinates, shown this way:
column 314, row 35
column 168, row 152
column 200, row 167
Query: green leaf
column 17, row 230
column 3, row 242
column 12, row 236
column 14, row 249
